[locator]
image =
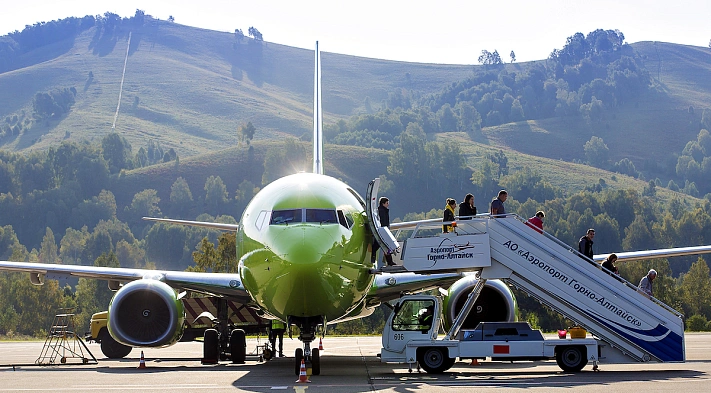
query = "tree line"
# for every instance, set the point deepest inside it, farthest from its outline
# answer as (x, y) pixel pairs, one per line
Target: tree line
(80, 222)
(589, 76)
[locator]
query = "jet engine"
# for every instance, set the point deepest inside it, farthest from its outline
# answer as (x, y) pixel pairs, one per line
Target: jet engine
(496, 303)
(146, 313)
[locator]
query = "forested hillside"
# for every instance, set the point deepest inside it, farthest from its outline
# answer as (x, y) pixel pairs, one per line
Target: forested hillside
(601, 134)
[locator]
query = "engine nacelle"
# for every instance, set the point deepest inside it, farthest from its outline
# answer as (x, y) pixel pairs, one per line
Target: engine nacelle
(146, 313)
(496, 303)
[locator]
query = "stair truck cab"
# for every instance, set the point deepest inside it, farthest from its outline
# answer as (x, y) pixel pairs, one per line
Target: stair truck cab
(411, 336)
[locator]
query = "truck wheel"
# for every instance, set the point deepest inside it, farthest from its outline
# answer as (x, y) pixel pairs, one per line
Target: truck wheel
(111, 348)
(238, 346)
(433, 360)
(449, 362)
(571, 358)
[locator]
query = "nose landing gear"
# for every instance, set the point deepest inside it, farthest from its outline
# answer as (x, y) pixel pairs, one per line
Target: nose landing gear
(311, 358)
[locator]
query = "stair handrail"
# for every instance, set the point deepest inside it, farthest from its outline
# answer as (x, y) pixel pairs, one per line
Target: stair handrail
(595, 264)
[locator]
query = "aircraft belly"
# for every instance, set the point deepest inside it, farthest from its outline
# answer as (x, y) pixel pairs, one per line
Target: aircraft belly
(330, 291)
(311, 278)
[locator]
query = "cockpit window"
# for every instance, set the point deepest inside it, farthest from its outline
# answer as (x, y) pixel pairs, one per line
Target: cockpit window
(290, 216)
(323, 216)
(259, 223)
(293, 216)
(345, 219)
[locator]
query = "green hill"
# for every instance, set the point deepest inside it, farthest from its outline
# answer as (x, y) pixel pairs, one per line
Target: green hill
(354, 165)
(190, 89)
(648, 131)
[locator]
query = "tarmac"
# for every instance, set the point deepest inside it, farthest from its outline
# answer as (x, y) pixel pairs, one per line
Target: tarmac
(348, 364)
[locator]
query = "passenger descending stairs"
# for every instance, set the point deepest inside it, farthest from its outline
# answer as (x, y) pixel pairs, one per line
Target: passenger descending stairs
(635, 327)
(62, 342)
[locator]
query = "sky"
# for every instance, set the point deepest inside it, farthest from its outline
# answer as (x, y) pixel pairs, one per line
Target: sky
(442, 31)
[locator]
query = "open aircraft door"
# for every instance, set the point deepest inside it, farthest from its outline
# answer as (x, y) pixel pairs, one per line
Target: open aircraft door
(382, 235)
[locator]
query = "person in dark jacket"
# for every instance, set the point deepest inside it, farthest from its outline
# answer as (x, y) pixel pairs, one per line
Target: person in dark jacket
(449, 215)
(384, 214)
(467, 208)
(585, 245)
(609, 264)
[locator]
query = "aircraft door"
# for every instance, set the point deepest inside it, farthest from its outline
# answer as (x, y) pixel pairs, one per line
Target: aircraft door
(382, 235)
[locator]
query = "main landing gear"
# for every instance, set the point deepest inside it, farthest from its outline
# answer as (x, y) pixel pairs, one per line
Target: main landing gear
(224, 342)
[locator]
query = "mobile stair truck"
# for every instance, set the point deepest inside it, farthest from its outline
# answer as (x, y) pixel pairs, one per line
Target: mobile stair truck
(625, 325)
(411, 337)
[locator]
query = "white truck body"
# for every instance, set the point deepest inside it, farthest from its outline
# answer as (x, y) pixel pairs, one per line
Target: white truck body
(410, 338)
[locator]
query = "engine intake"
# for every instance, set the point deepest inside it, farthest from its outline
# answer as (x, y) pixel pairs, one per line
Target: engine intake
(496, 303)
(146, 313)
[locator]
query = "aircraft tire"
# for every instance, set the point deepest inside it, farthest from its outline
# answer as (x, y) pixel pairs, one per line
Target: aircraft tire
(238, 346)
(210, 347)
(571, 358)
(111, 348)
(298, 357)
(315, 362)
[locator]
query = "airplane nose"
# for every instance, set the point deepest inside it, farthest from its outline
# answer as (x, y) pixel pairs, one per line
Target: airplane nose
(303, 246)
(299, 272)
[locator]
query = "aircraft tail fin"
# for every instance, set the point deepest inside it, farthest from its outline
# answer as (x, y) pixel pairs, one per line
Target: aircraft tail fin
(318, 123)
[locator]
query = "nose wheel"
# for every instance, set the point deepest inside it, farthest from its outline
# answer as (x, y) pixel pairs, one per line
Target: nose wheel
(312, 361)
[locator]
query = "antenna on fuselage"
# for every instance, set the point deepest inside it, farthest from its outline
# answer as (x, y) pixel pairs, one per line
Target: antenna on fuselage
(318, 134)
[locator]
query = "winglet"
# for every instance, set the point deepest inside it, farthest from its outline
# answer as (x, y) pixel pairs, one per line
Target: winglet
(318, 134)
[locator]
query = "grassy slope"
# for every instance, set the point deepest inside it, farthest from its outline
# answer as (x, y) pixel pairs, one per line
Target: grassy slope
(653, 127)
(195, 89)
(354, 165)
(357, 166)
(567, 176)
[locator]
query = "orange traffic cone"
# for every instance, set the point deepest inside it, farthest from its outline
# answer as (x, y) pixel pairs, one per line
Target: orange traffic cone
(142, 362)
(320, 345)
(302, 373)
(475, 362)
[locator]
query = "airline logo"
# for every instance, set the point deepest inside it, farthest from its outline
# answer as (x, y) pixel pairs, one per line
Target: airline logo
(447, 249)
(451, 252)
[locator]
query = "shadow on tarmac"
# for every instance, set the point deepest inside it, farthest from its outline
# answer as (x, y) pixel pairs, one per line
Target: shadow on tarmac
(367, 373)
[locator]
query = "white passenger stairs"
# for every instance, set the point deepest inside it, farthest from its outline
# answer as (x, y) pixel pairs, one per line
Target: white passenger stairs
(631, 326)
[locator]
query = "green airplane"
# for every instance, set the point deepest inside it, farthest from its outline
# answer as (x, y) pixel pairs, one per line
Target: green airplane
(304, 243)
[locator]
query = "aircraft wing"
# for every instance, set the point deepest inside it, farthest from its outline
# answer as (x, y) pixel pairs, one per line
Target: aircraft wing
(204, 224)
(392, 286)
(218, 284)
(660, 253)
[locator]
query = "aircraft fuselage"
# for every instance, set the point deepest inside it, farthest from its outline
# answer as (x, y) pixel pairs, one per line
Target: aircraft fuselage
(304, 248)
